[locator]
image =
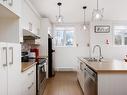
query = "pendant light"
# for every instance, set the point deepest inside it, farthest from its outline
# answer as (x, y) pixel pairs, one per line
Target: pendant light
(97, 13)
(59, 18)
(84, 24)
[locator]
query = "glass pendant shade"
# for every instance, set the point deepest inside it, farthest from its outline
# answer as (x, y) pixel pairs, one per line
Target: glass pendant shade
(97, 14)
(84, 27)
(59, 19)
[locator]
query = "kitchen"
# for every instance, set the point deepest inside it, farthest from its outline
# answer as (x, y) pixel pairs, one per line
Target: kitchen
(54, 48)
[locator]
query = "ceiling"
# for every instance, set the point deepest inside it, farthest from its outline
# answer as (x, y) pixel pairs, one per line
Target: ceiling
(73, 12)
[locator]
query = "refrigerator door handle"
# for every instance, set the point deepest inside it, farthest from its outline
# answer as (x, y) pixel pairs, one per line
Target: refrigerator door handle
(53, 50)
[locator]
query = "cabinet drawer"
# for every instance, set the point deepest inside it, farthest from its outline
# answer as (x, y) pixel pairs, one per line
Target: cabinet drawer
(29, 89)
(29, 81)
(32, 90)
(30, 75)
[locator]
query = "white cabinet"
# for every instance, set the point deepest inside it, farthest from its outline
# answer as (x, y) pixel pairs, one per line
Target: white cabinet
(30, 20)
(81, 74)
(10, 70)
(12, 5)
(29, 81)
(3, 68)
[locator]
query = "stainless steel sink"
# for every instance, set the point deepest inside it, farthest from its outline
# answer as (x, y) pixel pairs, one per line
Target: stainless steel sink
(90, 59)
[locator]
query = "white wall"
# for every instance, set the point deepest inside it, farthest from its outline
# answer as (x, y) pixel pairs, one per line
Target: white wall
(108, 51)
(66, 57)
(45, 25)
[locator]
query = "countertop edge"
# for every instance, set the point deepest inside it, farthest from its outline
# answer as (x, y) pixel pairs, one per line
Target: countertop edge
(102, 71)
(28, 66)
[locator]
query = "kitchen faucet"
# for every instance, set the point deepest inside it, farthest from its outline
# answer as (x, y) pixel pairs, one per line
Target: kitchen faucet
(100, 56)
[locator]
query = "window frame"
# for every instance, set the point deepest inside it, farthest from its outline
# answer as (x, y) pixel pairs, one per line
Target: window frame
(64, 29)
(123, 41)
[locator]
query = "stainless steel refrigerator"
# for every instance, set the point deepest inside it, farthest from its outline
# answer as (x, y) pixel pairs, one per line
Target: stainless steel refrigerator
(51, 71)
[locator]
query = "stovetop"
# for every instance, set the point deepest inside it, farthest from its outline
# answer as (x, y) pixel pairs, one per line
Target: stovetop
(41, 60)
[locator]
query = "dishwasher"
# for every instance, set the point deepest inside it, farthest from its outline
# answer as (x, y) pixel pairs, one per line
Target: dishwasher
(90, 86)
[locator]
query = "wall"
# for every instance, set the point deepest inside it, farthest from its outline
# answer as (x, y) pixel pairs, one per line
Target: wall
(108, 51)
(45, 26)
(66, 57)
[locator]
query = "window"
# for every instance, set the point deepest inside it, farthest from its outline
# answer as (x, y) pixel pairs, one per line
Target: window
(64, 36)
(120, 35)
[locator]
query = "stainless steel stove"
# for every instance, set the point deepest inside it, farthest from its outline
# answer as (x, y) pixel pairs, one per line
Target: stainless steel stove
(41, 76)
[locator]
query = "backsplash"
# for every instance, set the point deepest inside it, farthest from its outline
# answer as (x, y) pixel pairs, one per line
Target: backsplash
(28, 44)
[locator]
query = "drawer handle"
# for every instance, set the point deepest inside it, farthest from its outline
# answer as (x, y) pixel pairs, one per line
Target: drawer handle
(30, 86)
(30, 73)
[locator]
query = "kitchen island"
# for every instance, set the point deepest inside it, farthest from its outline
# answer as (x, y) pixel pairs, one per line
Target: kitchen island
(108, 77)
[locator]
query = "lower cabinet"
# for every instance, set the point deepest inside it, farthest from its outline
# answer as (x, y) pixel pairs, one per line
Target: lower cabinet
(80, 74)
(10, 69)
(29, 81)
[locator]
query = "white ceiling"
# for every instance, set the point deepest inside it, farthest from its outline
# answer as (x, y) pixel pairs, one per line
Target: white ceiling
(73, 12)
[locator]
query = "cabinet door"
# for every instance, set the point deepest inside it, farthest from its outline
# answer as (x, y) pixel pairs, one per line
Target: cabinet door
(3, 69)
(14, 6)
(33, 89)
(1, 1)
(14, 69)
(17, 7)
(33, 83)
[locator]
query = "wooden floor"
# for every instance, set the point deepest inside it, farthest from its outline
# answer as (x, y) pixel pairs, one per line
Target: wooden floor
(64, 83)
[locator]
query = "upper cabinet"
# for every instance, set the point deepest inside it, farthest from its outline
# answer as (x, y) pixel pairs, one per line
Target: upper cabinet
(13, 6)
(30, 19)
(10, 12)
(18, 17)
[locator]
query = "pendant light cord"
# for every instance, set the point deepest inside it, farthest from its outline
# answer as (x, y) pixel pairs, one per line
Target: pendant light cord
(84, 16)
(84, 8)
(59, 4)
(97, 5)
(59, 11)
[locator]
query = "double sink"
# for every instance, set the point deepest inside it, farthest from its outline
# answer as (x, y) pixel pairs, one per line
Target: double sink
(92, 59)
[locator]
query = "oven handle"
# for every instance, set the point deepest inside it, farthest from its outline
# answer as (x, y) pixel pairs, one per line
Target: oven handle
(40, 65)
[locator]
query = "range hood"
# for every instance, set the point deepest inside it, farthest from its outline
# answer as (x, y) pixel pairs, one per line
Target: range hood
(29, 35)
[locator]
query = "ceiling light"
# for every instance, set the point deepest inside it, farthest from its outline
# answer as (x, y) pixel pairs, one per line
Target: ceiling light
(59, 18)
(84, 25)
(97, 13)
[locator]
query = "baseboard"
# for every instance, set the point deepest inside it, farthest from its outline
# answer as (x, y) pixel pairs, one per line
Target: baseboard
(64, 69)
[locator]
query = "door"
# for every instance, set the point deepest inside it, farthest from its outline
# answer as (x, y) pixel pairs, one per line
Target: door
(14, 69)
(3, 69)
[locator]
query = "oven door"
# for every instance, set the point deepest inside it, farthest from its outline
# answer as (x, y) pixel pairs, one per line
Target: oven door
(41, 82)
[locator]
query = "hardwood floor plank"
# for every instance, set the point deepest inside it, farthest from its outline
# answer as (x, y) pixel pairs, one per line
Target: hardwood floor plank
(64, 83)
